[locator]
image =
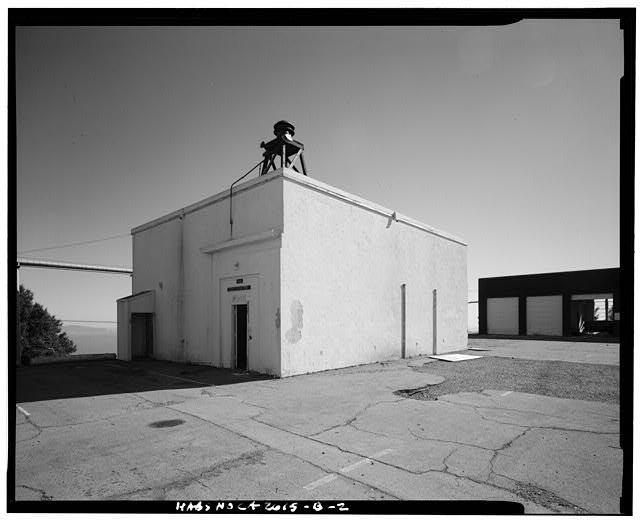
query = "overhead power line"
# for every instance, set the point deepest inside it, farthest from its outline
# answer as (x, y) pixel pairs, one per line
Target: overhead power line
(76, 243)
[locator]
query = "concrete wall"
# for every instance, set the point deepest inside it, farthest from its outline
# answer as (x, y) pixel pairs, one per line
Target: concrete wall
(169, 256)
(342, 267)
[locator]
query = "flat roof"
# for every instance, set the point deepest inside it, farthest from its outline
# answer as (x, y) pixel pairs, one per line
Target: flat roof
(553, 273)
(307, 182)
(135, 295)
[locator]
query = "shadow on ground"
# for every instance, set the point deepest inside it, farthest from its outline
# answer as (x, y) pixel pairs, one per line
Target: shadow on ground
(95, 378)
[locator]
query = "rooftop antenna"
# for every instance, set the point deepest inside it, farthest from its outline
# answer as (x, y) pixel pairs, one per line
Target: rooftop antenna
(285, 146)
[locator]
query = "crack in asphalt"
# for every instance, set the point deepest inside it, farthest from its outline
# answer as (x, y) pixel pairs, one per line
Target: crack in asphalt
(43, 495)
(444, 461)
(247, 458)
(416, 435)
(504, 447)
(476, 407)
(349, 422)
(33, 424)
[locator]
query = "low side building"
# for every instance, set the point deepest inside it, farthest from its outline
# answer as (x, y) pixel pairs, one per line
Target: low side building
(565, 304)
(307, 278)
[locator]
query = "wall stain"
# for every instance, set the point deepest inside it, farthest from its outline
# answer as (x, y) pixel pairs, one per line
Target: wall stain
(294, 334)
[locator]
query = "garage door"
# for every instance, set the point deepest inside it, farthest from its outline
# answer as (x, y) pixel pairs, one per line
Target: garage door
(502, 316)
(544, 315)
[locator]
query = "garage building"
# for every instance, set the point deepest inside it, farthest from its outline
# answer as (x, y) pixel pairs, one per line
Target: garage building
(571, 303)
(303, 277)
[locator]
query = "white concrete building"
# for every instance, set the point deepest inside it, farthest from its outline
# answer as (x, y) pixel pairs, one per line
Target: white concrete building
(313, 278)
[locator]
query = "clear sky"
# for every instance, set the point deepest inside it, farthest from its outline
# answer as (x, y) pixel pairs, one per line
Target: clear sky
(507, 137)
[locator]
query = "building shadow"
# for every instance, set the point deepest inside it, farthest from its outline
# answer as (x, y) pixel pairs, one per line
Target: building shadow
(77, 379)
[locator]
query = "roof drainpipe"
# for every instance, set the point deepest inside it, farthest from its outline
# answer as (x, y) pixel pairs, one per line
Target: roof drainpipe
(231, 198)
(403, 290)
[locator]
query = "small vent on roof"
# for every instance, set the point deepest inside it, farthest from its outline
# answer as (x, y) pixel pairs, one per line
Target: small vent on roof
(284, 146)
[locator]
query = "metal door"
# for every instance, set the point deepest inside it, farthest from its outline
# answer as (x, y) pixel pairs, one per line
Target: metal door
(241, 321)
(502, 316)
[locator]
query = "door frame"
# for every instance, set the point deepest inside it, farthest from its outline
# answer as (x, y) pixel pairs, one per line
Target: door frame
(227, 317)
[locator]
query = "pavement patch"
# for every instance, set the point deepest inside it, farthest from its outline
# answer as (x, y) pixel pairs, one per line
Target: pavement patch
(578, 381)
(422, 391)
(546, 498)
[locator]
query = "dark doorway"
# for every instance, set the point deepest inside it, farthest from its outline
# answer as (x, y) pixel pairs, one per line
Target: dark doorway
(141, 335)
(241, 312)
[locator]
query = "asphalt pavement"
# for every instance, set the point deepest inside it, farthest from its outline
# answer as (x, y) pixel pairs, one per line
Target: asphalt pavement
(173, 431)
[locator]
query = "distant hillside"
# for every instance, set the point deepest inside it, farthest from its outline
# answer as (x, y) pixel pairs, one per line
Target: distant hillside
(92, 340)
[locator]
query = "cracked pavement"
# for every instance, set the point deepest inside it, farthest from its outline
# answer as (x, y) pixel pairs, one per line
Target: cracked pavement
(340, 434)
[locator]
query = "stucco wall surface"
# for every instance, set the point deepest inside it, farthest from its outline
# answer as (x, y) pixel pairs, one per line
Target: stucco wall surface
(168, 257)
(342, 268)
(156, 266)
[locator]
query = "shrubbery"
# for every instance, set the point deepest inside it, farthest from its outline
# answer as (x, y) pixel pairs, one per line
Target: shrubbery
(40, 332)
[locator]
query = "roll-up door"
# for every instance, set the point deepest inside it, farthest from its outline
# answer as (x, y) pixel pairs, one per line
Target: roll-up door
(544, 315)
(502, 316)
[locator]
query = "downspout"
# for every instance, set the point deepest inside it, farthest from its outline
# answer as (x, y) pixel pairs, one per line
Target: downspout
(181, 288)
(435, 321)
(18, 328)
(403, 320)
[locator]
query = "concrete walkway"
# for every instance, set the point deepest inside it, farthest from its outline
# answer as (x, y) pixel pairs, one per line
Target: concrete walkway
(335, 435)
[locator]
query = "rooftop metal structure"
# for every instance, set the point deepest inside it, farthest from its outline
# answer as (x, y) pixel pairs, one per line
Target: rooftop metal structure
(285, 146)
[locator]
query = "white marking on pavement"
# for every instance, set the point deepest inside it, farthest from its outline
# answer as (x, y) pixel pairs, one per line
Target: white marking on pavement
(355, 465)
(505, 394)
(329, 478)
(321, 481)
(27, 414)
(382, 453)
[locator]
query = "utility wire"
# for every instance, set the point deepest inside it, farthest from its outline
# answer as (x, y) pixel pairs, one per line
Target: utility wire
(76, 243)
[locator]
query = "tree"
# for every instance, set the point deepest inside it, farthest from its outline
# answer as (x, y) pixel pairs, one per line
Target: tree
(40, 332)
